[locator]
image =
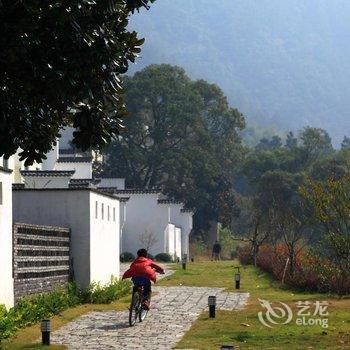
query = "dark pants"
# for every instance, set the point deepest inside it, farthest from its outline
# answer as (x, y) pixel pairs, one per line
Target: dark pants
(146, 283)
(216, 256)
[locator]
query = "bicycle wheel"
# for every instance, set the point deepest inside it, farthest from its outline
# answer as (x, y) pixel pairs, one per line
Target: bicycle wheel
(142, 314)
(135, 308)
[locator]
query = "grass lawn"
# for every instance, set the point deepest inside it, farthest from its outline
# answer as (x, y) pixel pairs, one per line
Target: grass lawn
(243, 329)
(27, 338)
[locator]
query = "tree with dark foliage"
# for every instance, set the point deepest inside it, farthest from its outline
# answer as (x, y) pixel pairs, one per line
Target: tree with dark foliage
(61, 63)
(182, 136)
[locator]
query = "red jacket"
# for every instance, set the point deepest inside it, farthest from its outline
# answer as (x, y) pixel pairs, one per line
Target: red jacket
(143, 267)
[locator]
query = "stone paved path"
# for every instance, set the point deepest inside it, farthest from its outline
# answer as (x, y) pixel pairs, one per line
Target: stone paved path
(173, 311)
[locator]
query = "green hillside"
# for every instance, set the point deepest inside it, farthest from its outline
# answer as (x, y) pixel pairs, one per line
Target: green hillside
(281, 62)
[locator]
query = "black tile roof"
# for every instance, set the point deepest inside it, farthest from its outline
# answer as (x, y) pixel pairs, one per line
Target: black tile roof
(137, 191)
(81, 181)
(20, 188)
(168, 201)
(74, 160)
(66, 151)
(67, 173)
(17, 186)
(186, 210)
(5, 170)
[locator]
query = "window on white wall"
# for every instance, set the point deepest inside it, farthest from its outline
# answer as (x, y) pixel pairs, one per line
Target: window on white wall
(96, 210)
(0, 193)
(108, 213)
(6, 163)
(113, 214)
(102, 211)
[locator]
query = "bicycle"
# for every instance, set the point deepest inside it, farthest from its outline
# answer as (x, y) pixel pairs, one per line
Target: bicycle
(136, 310)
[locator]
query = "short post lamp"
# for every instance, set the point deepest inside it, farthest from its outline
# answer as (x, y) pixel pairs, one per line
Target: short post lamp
(45, 331)
(227, 347)
(212, 305)
(192, 259)
(238, 278)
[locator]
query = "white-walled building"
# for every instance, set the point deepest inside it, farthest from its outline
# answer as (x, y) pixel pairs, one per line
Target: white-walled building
(163, 223)
(47, 178)
(6, 248)
(81, 165)
(93, 218)
(182, 218)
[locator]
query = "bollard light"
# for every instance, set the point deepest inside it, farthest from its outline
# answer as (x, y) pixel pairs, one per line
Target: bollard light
(184, 265)
(45, 331)
(192, 259)
(227, 347)
(212, 305)
(238, 278)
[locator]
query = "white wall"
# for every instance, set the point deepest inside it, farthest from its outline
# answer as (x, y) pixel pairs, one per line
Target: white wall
(50, 161)
(184, 220)
(104, 237)
(82, 170)
(66, 137)
(62, 208)
(144, 215)
(122, 221)
(6, 280)
(46, 181)
(16, 165)
(178, 242)
(94, 242)
(170, 240)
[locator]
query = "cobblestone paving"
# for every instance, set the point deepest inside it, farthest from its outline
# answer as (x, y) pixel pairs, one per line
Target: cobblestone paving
(173, 311)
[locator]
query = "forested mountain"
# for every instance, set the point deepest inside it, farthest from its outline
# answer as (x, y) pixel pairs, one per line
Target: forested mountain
(281, 62)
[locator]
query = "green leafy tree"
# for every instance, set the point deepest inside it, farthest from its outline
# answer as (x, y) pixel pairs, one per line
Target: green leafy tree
(346, 143)
(182, 136)
(273, 143)
(315, 143)
(61, 63)
(333, 166)
(291, 140)
(330, 202)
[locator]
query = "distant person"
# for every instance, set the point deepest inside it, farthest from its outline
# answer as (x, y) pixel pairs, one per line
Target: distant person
(142, 271)
(216, 251)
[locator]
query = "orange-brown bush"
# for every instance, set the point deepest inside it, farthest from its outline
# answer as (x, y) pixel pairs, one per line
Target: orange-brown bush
(308, 273)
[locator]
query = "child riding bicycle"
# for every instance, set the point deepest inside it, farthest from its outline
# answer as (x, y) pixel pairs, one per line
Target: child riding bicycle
(142, 271)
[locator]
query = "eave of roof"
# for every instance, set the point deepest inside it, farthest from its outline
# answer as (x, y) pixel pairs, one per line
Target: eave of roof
(169, 201)
(74, 160)
(19, 189)
(5, 170)
(136, 191)
(186, 210)
(51, 173)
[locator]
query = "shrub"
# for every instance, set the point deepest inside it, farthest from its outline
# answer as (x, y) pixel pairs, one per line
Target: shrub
(150, 256)
(106, 294)
(164, 257)
(7, 323)
(31, 310)
(309, 272)
(244, 254)
(127, 257)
